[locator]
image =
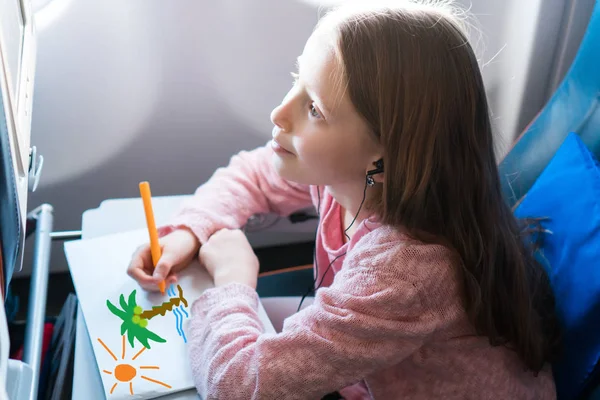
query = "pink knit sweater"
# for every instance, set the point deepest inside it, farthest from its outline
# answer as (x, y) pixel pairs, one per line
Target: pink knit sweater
(387, 323)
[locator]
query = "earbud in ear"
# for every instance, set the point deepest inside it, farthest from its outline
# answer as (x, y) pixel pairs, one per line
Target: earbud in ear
(378, 170)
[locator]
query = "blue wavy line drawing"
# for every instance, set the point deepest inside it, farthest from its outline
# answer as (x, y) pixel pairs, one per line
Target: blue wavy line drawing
(177, 319)
(180, 310)
(179, 313)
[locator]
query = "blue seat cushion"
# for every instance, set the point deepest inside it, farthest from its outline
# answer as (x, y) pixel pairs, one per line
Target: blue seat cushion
(286, 283)
(568, 194)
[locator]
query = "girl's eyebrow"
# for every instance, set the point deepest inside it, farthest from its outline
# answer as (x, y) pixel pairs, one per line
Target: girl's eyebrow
(311, 92)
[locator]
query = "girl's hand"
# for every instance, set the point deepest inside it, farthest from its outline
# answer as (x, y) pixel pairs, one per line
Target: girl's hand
(228, 257)
(178, 249)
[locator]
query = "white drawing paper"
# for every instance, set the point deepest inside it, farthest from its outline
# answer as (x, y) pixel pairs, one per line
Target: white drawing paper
(119, 313)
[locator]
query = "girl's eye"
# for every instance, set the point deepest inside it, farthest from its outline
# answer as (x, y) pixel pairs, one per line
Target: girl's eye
(313, 111)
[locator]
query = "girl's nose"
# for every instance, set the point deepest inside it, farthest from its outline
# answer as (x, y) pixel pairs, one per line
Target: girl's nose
(281, 116)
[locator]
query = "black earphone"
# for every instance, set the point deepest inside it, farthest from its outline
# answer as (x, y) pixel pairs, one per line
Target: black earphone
(378, 169)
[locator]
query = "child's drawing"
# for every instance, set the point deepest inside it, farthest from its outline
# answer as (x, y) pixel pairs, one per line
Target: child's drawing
(124, 373)
(135, 319)
(180, 313)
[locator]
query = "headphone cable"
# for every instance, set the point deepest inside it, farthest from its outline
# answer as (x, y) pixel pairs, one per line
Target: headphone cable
(315, 249)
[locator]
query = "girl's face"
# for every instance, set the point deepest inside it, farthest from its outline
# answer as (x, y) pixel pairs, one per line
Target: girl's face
(319, 138)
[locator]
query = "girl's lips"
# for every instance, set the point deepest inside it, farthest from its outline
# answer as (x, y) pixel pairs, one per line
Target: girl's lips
(277, 148)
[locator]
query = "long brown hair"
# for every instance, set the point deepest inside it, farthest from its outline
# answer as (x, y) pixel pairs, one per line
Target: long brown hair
(413, 76)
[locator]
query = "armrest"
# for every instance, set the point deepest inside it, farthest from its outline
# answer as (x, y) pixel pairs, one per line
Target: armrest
(36, 314)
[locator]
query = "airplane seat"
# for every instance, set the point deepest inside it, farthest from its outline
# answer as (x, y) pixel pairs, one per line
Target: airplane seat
(573, 108)
(572, 115)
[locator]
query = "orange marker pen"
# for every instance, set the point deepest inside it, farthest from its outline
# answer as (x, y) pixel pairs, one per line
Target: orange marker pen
(154, 245)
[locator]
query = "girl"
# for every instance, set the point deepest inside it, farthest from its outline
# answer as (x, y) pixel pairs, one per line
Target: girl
(427, 289)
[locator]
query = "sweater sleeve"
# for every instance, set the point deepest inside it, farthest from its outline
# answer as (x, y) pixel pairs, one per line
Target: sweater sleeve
(247, 186)
(372, 316)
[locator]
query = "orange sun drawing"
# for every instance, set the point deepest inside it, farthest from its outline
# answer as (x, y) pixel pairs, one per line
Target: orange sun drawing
(125, 372)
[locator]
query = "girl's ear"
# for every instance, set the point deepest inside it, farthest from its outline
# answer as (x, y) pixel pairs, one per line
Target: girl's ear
(378, 178)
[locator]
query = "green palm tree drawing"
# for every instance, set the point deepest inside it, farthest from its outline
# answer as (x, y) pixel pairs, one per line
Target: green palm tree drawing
(135, 319)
